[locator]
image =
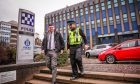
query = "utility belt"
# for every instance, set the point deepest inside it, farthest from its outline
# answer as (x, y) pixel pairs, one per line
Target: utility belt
(76, 46)
(51, 49)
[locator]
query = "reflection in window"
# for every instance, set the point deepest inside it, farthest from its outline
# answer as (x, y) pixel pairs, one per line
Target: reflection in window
(139, 42)
(128, 44)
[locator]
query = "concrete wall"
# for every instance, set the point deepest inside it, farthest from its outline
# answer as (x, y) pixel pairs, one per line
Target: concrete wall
(24, 72)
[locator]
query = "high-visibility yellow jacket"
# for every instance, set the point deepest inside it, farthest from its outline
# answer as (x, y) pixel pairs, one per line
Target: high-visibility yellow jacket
(75, 37)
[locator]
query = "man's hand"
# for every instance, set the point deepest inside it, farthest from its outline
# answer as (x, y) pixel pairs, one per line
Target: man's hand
(61, 52)
(42, 51)
(86, 47)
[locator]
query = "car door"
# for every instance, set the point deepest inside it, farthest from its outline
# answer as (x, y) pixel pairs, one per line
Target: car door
(126, 50)
(93, 50)
(100, 48)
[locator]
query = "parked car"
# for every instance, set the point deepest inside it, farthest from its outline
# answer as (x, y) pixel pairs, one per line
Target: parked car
(97, 49)
(128, 50)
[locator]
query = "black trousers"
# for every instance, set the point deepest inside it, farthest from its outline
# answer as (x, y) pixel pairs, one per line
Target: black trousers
(76, 60)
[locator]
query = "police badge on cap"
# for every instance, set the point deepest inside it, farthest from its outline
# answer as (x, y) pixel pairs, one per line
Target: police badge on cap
(70, 21)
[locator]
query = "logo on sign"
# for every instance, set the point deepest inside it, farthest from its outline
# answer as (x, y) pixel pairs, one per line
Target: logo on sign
(27, 44)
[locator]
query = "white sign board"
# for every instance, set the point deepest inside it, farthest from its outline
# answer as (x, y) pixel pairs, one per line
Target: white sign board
(7, 76)
(25, 41)
(25, 47)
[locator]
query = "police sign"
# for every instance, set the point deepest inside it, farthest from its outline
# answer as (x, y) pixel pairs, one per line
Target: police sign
(25, 42)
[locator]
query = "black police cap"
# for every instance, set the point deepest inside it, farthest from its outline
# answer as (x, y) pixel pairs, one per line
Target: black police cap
(70, 21)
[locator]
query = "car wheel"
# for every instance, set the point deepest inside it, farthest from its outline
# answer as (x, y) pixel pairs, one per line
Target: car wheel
(110, 59)
(87, 54)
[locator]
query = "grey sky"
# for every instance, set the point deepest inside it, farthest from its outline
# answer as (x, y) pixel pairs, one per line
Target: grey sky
(9, 10)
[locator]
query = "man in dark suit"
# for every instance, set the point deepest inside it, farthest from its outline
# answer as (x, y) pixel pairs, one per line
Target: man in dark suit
(52, 44)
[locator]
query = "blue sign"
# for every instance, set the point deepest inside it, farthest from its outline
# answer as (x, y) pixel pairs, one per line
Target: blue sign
(27, 44)
(27, 19)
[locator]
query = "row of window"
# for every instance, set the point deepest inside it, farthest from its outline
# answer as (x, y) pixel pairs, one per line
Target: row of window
(123, 3)
(4, 28)
(5, 33)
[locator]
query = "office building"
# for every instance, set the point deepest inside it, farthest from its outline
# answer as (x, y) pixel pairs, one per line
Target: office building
(5, 33)
(14, 29)
(102, 21)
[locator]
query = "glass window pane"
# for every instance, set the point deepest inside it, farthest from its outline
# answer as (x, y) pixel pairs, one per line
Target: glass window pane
(118, 17)
(109, 2)
(102, 4)
(116, 5)
(133, 14)
(115, 1)
(139, 42)
(123, 3)
(130, 1)
(125, 15)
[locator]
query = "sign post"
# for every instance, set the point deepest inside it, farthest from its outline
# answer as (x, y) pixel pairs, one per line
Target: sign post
(25, 40)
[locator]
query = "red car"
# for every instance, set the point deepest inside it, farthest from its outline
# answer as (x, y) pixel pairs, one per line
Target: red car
(128, 50)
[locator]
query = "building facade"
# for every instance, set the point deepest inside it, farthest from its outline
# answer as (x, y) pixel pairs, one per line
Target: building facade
(14, 29)
(38, 41)
(5, 33)
(102, 21)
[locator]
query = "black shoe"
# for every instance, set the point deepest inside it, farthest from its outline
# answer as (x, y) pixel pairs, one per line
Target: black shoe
(82, 73)
(74, 77)
(54, 83)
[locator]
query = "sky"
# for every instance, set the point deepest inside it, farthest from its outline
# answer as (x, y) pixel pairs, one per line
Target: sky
(9, 10)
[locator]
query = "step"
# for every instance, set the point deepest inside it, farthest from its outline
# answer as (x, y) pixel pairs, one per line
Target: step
(35, 81)
(66, 80)
(100, 75)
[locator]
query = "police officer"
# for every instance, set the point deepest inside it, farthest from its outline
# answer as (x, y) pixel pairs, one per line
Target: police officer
(74, 43)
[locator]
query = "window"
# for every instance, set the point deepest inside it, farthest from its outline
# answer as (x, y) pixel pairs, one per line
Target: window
(64, 16)
(128, 44)
(92, 24)
(91, 9)
(123, 3)
(81, 12)
(60, 17)
(130, 1)
(133, 16)
(139, 42)
(86, 10)
(103, 6)
(116, 5)
(97, 7)
(115, 1)
(68, 15)
(76, 13)
(72, 14)
(100, 46)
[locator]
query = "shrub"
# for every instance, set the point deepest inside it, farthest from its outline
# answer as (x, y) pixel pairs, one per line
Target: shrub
(7, 54)
(39, 57)
(3, 55)
(11, 54)
(63, 58)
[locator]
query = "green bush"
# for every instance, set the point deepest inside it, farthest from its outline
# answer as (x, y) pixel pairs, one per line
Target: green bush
(63, 58)
(11, 54)
(7, 55)
(3, 55)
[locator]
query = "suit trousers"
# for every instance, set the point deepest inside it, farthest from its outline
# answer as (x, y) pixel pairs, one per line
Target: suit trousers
(76, 60)
(51, 62)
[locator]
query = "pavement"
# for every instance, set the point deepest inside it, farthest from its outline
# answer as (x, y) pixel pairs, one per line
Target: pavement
(93, 64)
